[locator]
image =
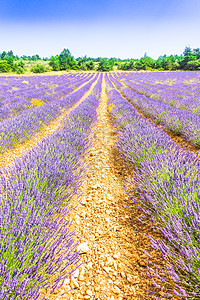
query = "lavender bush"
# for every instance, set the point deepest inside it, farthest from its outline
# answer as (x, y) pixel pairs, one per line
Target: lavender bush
(36, 242)
(179, 89)
(167, 180)
(22, 127)
(17, 94)
(174, 119)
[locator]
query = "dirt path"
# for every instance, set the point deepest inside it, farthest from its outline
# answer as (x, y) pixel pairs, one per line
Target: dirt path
(113, 262)
(7, 158)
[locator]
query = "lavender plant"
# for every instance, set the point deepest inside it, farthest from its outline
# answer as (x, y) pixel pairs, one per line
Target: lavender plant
(167, 179)
(18, 95)
(22, 127)
(174, 119)
(36, 242)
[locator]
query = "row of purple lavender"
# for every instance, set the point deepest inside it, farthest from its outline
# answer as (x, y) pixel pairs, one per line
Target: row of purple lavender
(36, 241)
(181, 122)
(21, 127)
(167, 180)
(17, 94)
(179, 89)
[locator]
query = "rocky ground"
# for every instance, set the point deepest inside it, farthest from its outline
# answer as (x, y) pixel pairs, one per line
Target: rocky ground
(113, 261)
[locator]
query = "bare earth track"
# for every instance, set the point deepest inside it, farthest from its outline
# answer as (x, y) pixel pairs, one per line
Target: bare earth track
(112, 257)
(113, 261)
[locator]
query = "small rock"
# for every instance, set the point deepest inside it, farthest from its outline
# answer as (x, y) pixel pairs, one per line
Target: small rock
(107, 220)
(123, 274)
(102, 264)
(66, 281)
(89, 265)
(112, 298)
(115, 265)
(109, 260)
(109, 197)
(129, 277)
(106, 269)
(116, 290)
(77, 219)
(75, 273)
(116, 255)
(83, 248)
(83, 202)
(95, 186)
(73, 283)
(89, 293)
(142, 263)
(81, 274)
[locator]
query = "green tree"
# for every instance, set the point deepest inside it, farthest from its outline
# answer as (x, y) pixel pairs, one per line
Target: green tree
(3, 55)
(196, 52)
(105, 65)
(10, 53)
(54, 63)
(66, 60)
(188, 55)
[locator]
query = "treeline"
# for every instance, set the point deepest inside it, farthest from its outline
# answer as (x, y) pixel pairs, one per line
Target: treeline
(189, 60)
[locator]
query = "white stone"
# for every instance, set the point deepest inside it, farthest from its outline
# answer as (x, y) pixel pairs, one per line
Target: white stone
(116, 290)
(66, 281)
(116, 255)
(89, 292)
(83, 248)
(75, 273)
(73, 283)
(89, 265)
(77, 219)
(81, 275)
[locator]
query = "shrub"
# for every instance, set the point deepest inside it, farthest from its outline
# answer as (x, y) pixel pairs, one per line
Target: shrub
(20, 70)
(193, 65)
(38, 68)
(4, 66)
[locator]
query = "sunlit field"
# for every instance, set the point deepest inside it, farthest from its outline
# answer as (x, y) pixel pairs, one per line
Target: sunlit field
(94, 166)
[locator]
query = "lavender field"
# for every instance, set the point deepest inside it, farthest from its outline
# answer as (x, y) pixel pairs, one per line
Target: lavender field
(38, 248)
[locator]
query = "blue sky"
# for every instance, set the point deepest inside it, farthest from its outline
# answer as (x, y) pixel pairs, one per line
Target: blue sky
(125, 29)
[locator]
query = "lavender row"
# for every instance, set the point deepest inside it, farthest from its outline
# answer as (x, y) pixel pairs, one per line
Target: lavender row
(174, 119)
(177, 94)
(22, 127)
(36, 242)
(29, 94)
(168, 181)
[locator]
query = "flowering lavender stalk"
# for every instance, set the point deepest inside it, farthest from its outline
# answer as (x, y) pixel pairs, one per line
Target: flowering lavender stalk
(167, 179)
(36, 242)
(179, 89)
(174, 119)
(22, 127)
(18, 94)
